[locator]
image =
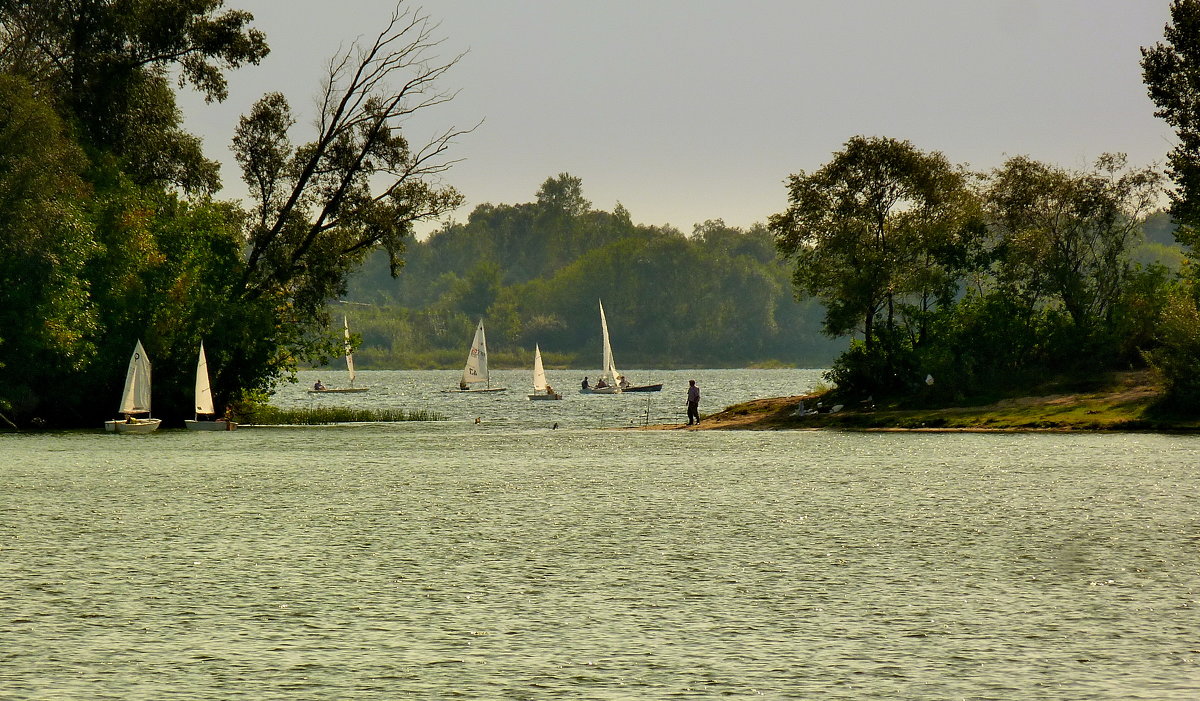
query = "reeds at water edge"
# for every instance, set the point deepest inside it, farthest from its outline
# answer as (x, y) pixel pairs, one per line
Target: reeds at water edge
(271, 415)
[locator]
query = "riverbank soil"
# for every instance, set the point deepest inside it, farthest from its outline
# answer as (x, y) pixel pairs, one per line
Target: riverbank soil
(1128, 401)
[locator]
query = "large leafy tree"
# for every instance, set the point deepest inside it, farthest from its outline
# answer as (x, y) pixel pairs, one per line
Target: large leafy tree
(878, 233)
(1171, 71)
(1064, 237)
(47, 316)
(170, 266)
(134, 260)
(109, 65)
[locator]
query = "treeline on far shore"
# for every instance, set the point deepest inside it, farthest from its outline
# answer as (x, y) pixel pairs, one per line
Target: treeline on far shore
(536, 272)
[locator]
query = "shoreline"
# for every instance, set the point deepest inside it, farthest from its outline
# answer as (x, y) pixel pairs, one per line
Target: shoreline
(1129, 403)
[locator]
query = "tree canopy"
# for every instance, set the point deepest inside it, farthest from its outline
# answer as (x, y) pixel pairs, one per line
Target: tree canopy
(880, 223)
(106, 210)
(109, 63)
(979, 280)
(1171, 71)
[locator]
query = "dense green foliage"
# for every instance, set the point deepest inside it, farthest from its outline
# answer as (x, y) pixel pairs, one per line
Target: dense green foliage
(108, 232)
(109, 65)
(962, 285)
(535, 271)
(1171, 71)
(881, 229)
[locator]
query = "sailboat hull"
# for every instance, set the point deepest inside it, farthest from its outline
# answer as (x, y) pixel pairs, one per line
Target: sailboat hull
(644, 388)
(137, 426)
(543, 396)
(338, 390)
(481, 389)
(601, 390)
(218, 425)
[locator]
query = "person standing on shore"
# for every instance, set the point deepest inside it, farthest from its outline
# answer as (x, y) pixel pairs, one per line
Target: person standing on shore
(693, 403)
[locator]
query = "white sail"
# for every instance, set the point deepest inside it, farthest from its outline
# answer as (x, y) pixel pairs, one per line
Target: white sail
(136, 397)
(349, 357)
(476, 370)
(609, 367)
(204, 401)
(539, 373)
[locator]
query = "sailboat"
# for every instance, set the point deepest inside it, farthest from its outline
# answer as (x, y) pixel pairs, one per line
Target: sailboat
(611, 381)
(204, 401)
(475, 377)
(322, 389)
(136, 397)
(541, 390)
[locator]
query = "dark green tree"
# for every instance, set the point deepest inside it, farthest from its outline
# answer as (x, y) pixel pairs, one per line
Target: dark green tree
(562, 195)
(49, 321)
(1171, 71)
(1065, 237)
(881, 227)
(1177, 356)
(109, 65)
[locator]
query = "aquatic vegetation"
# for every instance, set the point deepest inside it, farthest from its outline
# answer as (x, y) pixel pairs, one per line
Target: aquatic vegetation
(272, 415)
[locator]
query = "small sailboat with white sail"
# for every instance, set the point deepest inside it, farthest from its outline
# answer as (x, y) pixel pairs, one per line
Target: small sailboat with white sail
(135, 399)
(541, 389)
(475, 377)
(320, 388)
(612, 381)
(204, 401)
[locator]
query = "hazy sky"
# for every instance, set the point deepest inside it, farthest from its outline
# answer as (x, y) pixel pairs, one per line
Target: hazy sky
(689, 110)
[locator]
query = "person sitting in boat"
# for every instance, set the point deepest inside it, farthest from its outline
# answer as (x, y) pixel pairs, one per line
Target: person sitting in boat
(601, 384)
(319, 386)
(622, 382)
(549, 390)
(584, 384)
(462, 384)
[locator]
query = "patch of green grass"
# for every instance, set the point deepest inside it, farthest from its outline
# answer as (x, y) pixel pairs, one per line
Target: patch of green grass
(271, 415)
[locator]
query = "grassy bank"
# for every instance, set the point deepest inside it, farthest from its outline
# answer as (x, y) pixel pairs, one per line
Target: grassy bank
(1121, 402)
(274, 416)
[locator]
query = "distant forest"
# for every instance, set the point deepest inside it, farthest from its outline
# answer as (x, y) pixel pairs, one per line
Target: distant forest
(534, 272)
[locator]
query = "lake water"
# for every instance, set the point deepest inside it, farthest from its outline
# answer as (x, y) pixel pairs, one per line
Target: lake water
(510, 410)
(511, 560)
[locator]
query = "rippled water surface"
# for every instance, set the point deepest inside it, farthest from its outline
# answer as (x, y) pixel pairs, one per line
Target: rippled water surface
(510, 560)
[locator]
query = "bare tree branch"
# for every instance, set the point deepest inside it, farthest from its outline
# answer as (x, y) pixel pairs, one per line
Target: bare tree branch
(335, 203)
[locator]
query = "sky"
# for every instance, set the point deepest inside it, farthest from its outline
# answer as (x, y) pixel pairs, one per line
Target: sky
(686, 111)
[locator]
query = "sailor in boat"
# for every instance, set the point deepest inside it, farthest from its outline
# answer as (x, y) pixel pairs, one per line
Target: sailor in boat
(601, 384)
(584, 384)
(622, 382)
(549, 390)
(462, 384)
(319, 386)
